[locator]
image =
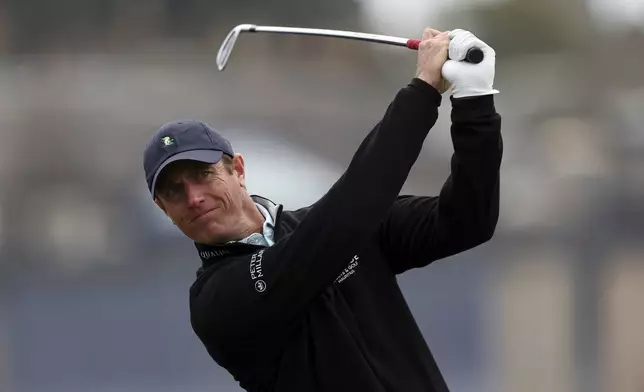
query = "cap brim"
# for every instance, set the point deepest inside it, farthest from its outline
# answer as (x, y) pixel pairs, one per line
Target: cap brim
(205, 156)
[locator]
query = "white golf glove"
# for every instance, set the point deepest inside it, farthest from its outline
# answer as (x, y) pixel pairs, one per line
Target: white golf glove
(467, 79)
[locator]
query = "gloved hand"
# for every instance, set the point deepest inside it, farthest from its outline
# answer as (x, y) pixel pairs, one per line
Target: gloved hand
(467, 79)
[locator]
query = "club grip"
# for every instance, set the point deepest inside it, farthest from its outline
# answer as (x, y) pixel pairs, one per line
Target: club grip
(473, 55)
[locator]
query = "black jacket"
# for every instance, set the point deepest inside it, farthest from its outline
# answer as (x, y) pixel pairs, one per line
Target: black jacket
(321, 310)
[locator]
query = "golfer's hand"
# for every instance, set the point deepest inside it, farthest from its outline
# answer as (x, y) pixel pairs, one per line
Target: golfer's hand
(469, 80)
(432, 54)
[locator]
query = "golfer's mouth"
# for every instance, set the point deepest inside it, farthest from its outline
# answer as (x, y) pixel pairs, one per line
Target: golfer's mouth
(202, 215)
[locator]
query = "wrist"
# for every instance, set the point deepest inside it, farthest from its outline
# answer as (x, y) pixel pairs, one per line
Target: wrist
(471, 93)
(473, 105)
(435, 82)
(434, 96)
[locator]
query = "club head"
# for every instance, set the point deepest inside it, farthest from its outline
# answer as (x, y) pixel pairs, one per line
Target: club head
(229, 43)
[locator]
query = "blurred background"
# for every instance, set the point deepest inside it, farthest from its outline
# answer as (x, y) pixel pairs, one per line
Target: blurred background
(94, 279)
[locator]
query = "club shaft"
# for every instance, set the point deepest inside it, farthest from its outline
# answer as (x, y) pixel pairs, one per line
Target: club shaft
(385, 39)
(474, 55)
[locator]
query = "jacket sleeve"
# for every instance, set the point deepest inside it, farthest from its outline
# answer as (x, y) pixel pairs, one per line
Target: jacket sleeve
(422, 229)
(231, 303)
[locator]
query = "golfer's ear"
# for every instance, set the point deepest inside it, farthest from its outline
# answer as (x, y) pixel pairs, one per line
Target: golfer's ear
(240, 170)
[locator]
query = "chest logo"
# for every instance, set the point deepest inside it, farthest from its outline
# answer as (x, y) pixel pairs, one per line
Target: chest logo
(256, 271)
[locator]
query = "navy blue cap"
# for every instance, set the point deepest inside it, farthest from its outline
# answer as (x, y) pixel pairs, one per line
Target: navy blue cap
(180, 140)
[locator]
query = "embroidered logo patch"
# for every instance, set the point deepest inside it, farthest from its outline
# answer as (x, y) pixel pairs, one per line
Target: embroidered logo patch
(350, 270)
(256, 271)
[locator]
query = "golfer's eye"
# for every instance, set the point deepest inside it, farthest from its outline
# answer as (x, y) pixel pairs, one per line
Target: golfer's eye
(204, 174)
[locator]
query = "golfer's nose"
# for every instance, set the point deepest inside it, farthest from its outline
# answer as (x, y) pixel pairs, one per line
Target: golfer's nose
(194, 194)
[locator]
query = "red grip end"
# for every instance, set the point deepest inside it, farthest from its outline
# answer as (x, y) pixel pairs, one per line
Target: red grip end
(413, 44)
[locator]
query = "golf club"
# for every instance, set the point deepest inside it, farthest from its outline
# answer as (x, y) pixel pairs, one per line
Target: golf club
(474, 55)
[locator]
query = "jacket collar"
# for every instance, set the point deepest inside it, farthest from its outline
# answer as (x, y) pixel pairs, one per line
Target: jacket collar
(210, 254)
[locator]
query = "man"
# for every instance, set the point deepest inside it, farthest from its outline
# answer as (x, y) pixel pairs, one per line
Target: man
(307, 300)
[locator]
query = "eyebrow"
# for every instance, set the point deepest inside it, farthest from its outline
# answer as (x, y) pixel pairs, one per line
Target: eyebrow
(167, 177)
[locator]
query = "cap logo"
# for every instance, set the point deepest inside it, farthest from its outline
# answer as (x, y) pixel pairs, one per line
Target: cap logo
(167, 141)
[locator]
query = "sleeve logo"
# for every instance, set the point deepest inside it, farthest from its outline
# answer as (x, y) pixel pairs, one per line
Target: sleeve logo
(350, 270)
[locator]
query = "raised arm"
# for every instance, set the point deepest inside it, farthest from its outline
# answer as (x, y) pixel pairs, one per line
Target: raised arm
(419, 230)
(300, 266)
(422, 229)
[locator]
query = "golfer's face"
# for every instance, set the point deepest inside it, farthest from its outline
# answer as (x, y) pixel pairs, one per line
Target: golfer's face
(203, 200)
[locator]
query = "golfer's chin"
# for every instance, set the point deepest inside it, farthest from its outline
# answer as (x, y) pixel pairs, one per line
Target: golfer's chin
(208, 232)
